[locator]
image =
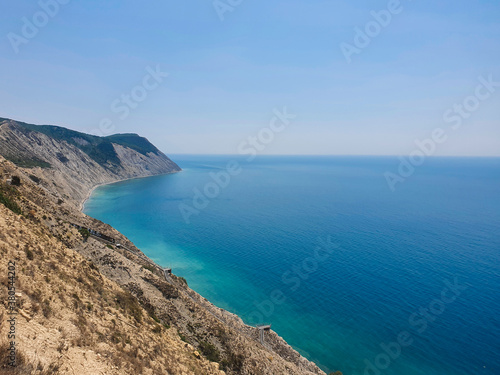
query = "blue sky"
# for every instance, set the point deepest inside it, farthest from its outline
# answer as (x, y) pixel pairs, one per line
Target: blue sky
(227, 77)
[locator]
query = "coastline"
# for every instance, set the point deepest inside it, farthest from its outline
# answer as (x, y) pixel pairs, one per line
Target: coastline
(146, 295)
(81, 205)
(225, 317)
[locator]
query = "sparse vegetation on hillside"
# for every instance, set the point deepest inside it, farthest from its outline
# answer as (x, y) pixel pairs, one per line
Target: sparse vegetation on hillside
(24, 366)
(7, 194)
(133, 141)
(28, 162)
(97, 148)
(74, 321)
(16, 181)
(210, 351)
(35, 179)
(84, 232)
(100, 149)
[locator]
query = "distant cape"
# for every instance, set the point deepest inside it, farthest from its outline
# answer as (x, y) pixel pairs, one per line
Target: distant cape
(73, 163)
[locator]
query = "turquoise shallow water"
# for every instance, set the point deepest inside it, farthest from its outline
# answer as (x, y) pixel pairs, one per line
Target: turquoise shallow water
(385, 279)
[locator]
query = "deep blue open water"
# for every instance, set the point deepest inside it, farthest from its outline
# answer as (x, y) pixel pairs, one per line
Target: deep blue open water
(341, 266)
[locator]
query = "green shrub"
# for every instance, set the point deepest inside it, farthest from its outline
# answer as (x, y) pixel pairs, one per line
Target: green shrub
(149, 268)
(210, 351)
(129, 303)
(29, 254)
(84, 232)
(46, 309)
(10, 204)
(233, 362)
(16, 181)
(116, 337)
(34, 178)
(28, 162)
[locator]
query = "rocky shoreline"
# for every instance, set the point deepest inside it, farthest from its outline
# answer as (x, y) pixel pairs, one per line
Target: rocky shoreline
(209, 340)
(274, 343)
(81, 205)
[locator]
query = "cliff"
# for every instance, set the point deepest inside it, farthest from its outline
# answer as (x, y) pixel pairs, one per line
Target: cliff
(89, 306)
(71, 163)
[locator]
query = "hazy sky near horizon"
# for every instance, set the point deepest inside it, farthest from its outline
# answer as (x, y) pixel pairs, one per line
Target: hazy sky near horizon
(227, 77)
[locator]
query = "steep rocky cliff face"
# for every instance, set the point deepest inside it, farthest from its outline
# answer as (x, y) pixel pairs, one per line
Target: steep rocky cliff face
(73, 163)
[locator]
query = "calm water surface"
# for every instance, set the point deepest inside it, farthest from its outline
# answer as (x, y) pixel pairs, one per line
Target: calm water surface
(395, 254)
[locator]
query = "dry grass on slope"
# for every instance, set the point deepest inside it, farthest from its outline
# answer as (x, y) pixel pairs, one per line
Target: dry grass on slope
(75, 321)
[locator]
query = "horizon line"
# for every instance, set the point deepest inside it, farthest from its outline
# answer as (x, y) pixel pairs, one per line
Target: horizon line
(329, 155)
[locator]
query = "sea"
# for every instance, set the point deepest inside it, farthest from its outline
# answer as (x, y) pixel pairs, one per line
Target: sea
(367, 265)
